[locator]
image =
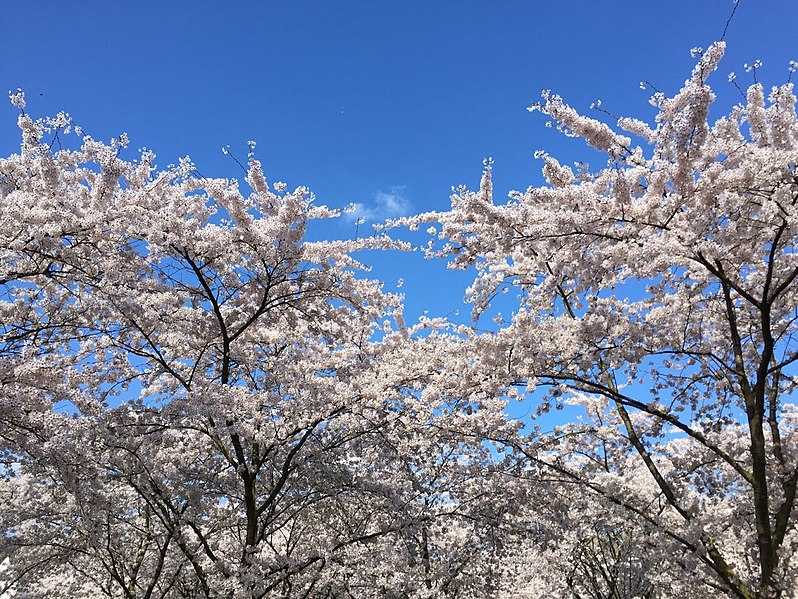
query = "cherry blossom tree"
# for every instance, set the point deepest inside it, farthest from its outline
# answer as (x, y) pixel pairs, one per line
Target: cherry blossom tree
(198, 402)
(658, 310)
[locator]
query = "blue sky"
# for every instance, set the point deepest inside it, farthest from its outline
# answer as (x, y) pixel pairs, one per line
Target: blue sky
(386, 104)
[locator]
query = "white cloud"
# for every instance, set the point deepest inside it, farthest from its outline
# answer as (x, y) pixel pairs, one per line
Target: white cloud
(384, 205)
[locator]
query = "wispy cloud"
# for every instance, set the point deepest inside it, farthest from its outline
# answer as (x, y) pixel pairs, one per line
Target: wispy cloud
(384, 205)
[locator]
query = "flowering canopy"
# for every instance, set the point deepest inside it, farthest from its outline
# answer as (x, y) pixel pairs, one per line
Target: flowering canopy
(658, 295)
(198, 402)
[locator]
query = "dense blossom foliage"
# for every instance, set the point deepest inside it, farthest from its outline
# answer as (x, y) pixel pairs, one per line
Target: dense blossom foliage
(657, 307)
(197, 401)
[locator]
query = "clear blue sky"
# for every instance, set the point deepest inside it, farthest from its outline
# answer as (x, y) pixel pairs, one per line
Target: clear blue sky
(382, 103)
